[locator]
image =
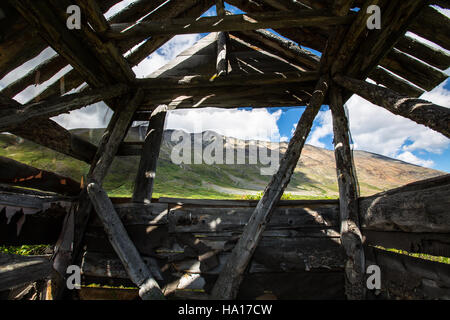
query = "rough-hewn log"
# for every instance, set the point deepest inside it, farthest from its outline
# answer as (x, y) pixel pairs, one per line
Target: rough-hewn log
(432, 25)
(227, 284)
(418, 207)
(130, 257)
(220, 8)
(351, 237)
(19, 174)
(238, 22)
(145, 178)
(421, 111)
(17, 270)
(11, 118)
(201, 81)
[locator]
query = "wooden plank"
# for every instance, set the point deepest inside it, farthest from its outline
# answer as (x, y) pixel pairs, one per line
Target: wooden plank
(421, 111)
(422, 207)
(405, 277)
(197, 219)
(222, 57)
(435, 57)
(230, 278)
(202, 81)
(279, 46)
(139, 214)
(242, 203)
(236, 22)
(17, 270)
(413, 70)
(131, 260)
(145, 177)
(436, 244)
(11, 118)
(95, 264)
(351, 237)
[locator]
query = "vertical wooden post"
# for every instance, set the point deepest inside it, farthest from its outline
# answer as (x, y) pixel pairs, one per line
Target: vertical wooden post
(145, 178)
(222, 59)
(351, 237)
(230, 278)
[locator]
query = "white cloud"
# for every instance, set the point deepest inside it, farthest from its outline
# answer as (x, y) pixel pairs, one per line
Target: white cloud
(256, 124)
(409, 157)
(375, 129)
(325, 128)
(93, 116)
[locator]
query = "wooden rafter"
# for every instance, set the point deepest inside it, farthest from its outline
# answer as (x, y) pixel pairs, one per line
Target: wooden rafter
(228, 23)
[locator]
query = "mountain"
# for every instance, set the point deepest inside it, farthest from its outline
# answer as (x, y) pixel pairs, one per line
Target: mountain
(314, 176)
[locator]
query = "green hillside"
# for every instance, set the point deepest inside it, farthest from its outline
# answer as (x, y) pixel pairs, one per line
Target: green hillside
(314, 177)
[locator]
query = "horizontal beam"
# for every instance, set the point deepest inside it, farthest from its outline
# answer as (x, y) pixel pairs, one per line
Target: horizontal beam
(418, 207)
(200, 81)
(12, 117)
(421, 111)
(19, 174)
(237, 22)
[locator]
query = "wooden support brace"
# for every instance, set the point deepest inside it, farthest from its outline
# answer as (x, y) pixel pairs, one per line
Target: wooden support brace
(421, 111)
(122, 244)
(145, 178)
(222, 57)
(351, 237)
(230, 278)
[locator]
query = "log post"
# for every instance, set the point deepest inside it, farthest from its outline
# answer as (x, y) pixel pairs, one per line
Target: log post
(227, 285)
(421, 111)
(351, 237)
(145, 178)
(222, 59)
(122, 244)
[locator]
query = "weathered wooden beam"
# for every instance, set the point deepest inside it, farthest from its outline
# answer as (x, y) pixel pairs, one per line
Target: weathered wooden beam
(279, 46)
(145, 178)
(222, 57)
(421, 111)
(229, 23)
(220, 8)
(432, 25)
(351, 237)
(17, 270)
(413, 70)
(418, 207)
(19, 174)
(227, 285)
(11, 118)
(391, 81)
(130, 257)
(201, 81)
(94, 15)
(433, 56)
(51, 135)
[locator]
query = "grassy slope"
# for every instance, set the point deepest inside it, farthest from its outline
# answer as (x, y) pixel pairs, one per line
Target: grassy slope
(315, 176)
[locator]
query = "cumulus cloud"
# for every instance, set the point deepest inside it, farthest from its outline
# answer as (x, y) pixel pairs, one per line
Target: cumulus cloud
(256, 124)
(375, 129)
